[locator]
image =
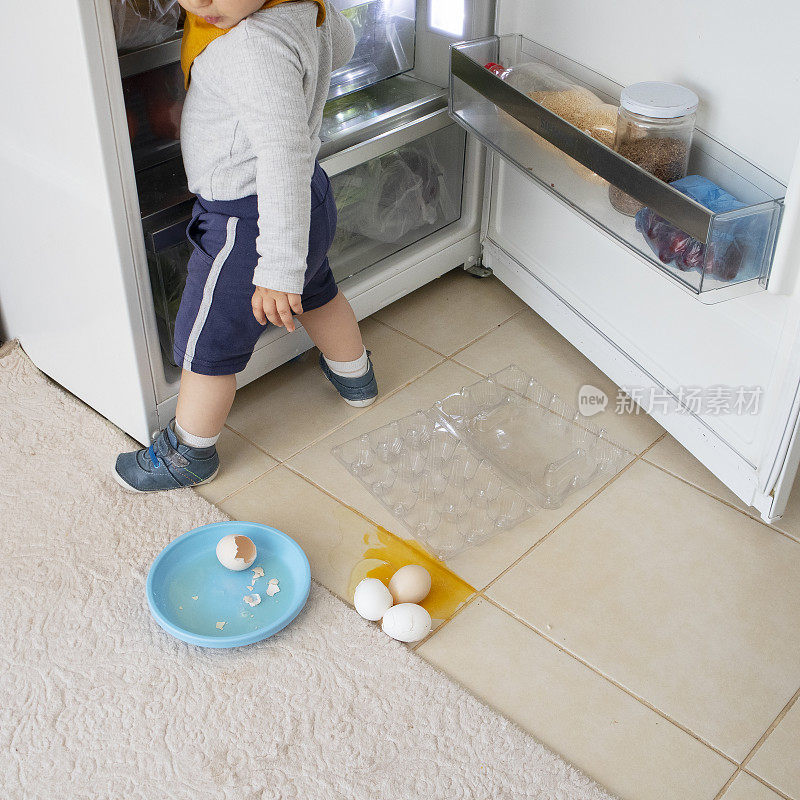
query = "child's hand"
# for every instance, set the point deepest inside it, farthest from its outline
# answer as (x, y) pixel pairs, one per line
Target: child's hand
(276, 307)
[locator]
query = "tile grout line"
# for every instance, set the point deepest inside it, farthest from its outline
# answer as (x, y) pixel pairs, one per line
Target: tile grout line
(724, 502)
(407, 335)
(479, 593)
(774, 724)
(611, 680)
(347, 421)
(332, 496)
(486, 333)
(571, 514)
(468, 602)
(245, 485)
(727, 784)
(741, 771)
(364, 410)
(249, 441)
(462, 347)
(764, 782)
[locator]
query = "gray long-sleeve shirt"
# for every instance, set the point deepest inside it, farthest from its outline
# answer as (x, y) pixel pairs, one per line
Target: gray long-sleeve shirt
(251, 125)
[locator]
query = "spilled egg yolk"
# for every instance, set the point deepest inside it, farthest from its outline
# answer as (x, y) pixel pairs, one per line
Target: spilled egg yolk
(385, 553)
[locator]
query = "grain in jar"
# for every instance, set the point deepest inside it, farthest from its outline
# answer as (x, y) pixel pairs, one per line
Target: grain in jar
(654, 129)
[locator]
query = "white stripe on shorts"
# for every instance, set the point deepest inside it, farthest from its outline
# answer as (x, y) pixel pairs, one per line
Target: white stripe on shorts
(208, 292)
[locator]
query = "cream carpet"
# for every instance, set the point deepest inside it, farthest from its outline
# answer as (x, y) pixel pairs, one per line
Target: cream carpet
(96, 701)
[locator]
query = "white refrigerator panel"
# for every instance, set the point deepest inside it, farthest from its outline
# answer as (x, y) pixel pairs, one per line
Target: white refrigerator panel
(67, 285)
(672, 336)
(740, 59)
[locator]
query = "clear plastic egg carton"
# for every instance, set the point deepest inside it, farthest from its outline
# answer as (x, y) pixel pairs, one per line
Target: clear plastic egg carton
(481, 460)
(536, 440)
(449, 498)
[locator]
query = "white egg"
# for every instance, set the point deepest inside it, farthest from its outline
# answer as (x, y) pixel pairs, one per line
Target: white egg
(372, 599)
(236, 552)
(407, 622)
(410, 584)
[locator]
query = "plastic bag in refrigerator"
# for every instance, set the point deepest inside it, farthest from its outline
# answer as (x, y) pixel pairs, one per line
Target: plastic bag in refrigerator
(142, 23)
(734, 248)
(389, 197)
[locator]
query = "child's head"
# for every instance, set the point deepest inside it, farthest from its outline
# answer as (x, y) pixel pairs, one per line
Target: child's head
(222, 13)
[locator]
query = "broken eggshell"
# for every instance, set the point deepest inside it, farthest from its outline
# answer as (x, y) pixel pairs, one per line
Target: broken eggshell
(236, 552)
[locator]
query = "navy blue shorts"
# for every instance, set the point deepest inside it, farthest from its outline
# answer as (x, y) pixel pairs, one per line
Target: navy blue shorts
(215, 330)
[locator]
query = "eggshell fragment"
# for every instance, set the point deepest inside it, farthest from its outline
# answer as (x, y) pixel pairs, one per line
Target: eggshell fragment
(372, 599)
(410, 584)
(236, 552)
(407, 622)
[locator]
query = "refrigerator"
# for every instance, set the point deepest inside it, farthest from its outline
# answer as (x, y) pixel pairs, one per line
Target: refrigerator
(436, 163)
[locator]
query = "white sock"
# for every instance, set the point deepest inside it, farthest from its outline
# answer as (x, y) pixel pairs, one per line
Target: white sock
(350, 369)
(190, 440)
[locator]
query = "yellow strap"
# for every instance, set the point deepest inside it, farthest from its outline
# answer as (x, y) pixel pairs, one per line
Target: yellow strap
(198, 34)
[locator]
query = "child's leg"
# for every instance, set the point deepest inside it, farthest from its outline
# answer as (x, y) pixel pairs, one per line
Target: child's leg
(334, 330)
(344, 360)
(203, 403)
(184, 453)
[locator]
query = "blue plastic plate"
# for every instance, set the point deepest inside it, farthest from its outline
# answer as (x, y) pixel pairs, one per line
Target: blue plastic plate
(188, 567)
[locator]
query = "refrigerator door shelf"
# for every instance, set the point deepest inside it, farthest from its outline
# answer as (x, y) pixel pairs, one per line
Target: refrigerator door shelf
(715, 256)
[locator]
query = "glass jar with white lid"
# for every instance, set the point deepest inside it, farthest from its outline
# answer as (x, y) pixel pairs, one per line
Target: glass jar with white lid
(655, 124)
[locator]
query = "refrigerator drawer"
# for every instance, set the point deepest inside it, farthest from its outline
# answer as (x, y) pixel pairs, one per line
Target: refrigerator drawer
(714, 255)
(168, 251)
(153, 104)
(396, 199)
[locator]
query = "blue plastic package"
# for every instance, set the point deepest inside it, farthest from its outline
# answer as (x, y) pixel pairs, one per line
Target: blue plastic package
(733, 249)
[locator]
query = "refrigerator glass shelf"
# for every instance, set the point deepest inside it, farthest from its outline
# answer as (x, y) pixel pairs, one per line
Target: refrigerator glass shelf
(385, 36)
(713, 255)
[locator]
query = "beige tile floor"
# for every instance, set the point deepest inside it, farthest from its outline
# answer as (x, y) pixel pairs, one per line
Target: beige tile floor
(647, 630)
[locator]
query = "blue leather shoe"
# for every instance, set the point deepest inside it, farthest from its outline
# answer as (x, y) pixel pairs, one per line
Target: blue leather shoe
(166, 464)
(357, 392)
